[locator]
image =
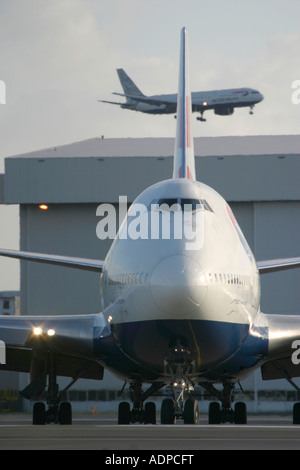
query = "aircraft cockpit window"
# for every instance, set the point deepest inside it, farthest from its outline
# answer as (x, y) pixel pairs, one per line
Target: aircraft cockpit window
(183, 204)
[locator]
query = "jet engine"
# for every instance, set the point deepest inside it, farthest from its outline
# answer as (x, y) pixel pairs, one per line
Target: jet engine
(224, 111)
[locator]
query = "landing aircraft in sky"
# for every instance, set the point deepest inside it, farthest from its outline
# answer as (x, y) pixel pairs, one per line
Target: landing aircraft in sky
(180, 309)
(222, 102)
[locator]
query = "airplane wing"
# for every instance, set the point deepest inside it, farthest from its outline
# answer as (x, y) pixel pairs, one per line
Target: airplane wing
(66, 261)
(282, 360)
(283, 331)
(30, 340)
(150, 100)
(270, 266)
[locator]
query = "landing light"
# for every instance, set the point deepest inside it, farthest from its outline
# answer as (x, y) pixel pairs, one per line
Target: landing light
(51, 332)
(37, 331)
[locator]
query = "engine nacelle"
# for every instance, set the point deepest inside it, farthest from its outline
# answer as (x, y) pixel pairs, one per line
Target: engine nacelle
(224, 111)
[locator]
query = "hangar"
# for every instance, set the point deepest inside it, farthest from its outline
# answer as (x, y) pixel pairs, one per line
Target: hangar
(258, 175)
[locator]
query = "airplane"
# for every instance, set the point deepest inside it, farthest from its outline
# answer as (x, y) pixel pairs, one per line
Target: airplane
(178, 312)
(222, 102)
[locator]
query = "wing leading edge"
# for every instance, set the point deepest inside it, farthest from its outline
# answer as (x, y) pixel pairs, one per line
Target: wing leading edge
(86, 264)
(270, 266)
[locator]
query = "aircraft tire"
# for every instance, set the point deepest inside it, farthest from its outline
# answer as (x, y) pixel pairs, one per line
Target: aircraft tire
(296, 413)
(214, 413)
(167, 412)
(39, 413)
(240, 413)
(124, 413)
(150, 413)
(65, 413)
(191, 412)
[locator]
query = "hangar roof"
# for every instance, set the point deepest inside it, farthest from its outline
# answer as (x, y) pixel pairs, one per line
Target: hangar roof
(156, 147)
(241, 168)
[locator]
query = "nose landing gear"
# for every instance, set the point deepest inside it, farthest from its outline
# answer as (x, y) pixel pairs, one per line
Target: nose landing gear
(180, 365)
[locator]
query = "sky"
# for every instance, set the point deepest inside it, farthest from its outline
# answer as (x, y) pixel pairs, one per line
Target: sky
(59, 57)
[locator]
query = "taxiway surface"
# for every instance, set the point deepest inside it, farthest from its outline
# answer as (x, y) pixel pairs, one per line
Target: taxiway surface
(92, 433)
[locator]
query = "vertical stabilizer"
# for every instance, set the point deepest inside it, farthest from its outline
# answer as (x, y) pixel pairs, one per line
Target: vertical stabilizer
(128, 85)
(184, 160)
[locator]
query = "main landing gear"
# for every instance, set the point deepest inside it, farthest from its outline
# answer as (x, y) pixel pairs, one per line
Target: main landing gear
(201, 118)
(225, 414)
(58, 412)
(139, 413)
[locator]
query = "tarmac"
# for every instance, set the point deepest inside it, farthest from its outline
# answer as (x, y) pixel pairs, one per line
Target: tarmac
(104, 434)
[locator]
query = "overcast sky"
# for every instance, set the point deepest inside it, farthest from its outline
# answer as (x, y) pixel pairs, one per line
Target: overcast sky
(58, 57)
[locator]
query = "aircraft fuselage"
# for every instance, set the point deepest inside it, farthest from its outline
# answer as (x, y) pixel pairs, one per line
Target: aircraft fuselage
(162, 292)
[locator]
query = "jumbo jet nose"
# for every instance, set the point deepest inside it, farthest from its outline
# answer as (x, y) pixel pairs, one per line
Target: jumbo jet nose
(178, 286)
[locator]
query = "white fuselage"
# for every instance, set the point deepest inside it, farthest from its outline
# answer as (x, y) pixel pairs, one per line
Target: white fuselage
(222, 101)
(202, 287)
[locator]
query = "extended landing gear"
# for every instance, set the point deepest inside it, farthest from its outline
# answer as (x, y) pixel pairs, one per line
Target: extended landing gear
(58, 412)
(171, 410)
(201, 118)
(146, 415)
(216, 415)
(139, 413)
(179, 366)
(226, 414)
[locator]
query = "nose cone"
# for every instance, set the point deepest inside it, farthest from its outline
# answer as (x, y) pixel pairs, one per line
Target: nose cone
(178, 286)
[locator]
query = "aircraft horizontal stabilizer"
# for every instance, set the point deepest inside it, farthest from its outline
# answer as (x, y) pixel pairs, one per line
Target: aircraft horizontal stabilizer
(110, 102)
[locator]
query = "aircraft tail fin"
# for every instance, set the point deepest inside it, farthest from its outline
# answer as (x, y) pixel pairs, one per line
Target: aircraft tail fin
(128, 85)
(184, 159)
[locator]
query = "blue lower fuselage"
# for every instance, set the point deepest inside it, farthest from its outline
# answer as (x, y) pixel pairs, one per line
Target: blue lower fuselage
(219, 350)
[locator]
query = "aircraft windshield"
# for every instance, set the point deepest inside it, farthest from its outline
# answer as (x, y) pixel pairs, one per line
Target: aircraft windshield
(177, 204)
(183, 204)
